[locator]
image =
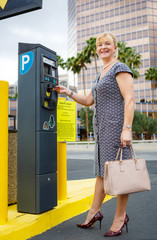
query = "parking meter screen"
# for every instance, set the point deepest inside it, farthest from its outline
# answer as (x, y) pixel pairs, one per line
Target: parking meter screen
(46, 69)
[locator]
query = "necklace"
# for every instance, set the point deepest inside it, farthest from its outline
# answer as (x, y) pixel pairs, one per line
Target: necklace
(110, 64)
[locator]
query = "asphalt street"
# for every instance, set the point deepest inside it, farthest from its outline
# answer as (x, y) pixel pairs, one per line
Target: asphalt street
(141, 209)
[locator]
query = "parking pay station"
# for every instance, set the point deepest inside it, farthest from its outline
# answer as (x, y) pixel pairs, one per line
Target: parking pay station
(37, 136)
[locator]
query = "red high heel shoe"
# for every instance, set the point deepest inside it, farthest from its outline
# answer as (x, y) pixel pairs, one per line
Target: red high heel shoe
(97, 217)
(119, 232)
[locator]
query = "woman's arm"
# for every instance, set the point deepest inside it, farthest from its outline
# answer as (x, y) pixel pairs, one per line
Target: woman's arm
(83, 100)
(125, 83)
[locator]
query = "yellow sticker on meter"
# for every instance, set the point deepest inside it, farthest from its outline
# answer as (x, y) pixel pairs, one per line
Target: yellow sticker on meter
(48, 93)
(66, 120)
(46, 103)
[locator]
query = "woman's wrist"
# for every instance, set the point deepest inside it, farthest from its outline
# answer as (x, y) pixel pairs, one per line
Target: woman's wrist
(71, 94)
(127, 127)
(68, 92)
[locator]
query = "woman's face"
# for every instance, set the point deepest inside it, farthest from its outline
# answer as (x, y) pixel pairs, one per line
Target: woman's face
(106, 48)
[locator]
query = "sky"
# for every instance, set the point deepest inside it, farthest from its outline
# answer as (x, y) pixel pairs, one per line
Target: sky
(47, 26)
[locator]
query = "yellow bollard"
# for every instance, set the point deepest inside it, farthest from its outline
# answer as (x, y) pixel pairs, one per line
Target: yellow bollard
(61, 171)
(4, 86)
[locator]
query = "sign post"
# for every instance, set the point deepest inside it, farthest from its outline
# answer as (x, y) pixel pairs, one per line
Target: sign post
(66, 132)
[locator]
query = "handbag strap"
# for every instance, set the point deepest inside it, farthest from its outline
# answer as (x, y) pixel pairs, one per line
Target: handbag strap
(120, 151)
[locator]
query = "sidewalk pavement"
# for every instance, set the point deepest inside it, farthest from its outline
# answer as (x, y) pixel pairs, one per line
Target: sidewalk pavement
(82, 147)
(142, 212)
(141, 209)
(21, 226)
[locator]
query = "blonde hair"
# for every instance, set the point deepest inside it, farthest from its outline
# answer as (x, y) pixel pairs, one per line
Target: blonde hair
(111, 37)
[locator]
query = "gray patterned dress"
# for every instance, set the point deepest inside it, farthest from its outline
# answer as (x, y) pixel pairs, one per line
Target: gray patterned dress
(108, 117)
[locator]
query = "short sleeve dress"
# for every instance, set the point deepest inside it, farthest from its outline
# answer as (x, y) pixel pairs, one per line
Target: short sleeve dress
(108, 117)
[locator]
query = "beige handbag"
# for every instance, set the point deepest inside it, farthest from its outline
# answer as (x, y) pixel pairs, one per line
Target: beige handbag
(126, 176)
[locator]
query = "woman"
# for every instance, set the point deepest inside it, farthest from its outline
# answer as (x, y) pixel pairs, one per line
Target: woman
(112, 94)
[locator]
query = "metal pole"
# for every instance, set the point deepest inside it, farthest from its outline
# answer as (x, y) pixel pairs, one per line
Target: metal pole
(61, 171)
(4, 89)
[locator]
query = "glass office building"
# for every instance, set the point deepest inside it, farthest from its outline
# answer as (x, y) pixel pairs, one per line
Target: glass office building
(131, 21)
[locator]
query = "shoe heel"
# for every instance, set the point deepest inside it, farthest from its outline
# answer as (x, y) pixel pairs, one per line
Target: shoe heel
(127, 227)
(100, 223)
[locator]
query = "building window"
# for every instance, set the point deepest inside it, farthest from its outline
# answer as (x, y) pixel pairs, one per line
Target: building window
(97, 16)
(117, 25)
(111, 13)
(127, 8)
(133, 7)
(112, 26)
(102, 28)
(102, 15)
(108, 27)
(92, 17)
(128, 22)
(123, 23)
(122, 10)
(146, 48)
(106, 14)
(139, 34)
(144, 4)
(145, 33)
(144, 19)
(128, 36)
(133, 21)
(133, 35)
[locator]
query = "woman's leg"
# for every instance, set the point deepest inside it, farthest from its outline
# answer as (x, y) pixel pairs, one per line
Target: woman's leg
(120, 212)
(99, 196)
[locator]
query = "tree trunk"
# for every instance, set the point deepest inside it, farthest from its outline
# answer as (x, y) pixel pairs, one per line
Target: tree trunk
(85, 106)
(153, 85)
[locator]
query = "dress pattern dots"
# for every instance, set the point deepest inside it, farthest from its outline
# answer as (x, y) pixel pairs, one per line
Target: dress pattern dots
(108, 117)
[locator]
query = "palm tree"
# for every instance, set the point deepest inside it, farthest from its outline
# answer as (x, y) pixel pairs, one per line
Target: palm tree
(81, 61)
(71, 65)
(82, 115)
(60, 62)
(90, 51)
(151, 75)
(129, 56)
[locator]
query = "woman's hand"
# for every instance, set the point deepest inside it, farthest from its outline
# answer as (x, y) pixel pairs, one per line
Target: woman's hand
(126, 137)
(61, 90)
(83, 100)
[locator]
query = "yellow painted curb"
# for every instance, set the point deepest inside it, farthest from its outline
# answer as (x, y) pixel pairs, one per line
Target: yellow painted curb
(22, 226)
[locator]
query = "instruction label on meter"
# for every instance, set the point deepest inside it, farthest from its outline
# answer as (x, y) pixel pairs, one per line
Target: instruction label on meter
(66, 120)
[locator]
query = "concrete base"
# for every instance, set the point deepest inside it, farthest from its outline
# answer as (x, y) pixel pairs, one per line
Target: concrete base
(12, 167)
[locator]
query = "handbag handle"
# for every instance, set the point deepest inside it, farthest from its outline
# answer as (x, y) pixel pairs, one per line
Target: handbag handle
(120, 151)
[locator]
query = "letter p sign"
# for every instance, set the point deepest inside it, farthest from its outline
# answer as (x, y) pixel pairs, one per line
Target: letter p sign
(26, 61)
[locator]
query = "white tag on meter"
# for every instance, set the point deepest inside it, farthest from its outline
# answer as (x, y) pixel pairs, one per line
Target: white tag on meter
(48, 61)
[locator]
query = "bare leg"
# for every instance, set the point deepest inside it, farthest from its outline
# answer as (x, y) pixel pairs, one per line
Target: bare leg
(99, 196)
(120, 212)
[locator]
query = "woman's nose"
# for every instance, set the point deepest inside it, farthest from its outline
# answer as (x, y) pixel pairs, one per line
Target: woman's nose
(103, 46)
